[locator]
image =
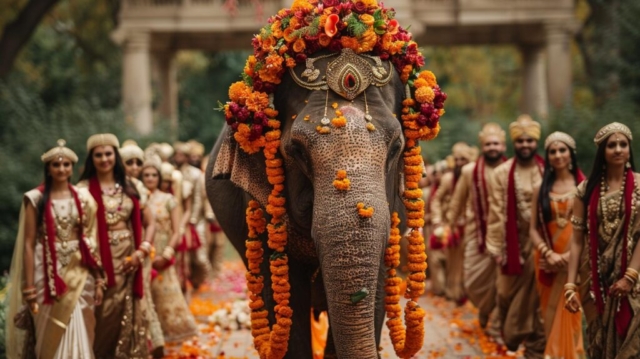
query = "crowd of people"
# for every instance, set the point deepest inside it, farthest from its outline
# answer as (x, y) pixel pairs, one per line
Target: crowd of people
(535, 245)
(102, 269)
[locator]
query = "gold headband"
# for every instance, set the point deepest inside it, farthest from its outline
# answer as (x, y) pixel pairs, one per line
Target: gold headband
(461, 149)
(153, 161)
(102, 139)
(166, 171)
(559, 137)
(59, 152)
(524, 125)
(492, 129)
(608, 130)
(130, 150)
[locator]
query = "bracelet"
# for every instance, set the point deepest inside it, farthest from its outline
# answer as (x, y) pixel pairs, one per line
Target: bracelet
(145, 247)
(573, 294)
(632, 273)
(29, 290)
(140, 255)
(631, 280)
(101, 284)
(578, 223)
(168, 253)
(569, 293)
(570, 286)
(30, 297)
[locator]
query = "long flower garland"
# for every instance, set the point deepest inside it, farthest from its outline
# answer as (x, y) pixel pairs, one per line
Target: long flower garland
(289, 38)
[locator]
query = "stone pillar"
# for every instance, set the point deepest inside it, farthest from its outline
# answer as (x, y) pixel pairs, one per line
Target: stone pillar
(558, 37)
(168, 83)
(136, 82)
(534, 89)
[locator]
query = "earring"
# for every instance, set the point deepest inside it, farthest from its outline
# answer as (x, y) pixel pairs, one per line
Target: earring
(570, 166)
(628, 165)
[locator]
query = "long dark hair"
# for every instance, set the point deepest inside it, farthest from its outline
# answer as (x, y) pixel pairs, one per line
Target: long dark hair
(48, 181)
(119, 173)
(549, 177)
(598, 168)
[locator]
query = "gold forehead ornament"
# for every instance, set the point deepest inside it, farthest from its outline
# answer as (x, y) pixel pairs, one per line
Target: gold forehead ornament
(59, 152)
(349, 75)
(560, 137)
(608, 130)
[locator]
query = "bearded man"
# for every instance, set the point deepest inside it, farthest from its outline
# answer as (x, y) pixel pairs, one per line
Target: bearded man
(508, 240)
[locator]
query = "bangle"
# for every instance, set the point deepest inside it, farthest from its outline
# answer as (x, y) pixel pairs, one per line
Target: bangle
(573, 294)
(29, 290)
(101, 284)
(168, 253)
(578, 223)
(30, 297)
(570, 286)
(632, 273)
(145, 247)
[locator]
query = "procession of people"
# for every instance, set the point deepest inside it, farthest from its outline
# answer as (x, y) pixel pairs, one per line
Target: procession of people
(102, 268)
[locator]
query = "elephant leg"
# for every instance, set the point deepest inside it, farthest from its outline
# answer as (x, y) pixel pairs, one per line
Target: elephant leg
(300, 302)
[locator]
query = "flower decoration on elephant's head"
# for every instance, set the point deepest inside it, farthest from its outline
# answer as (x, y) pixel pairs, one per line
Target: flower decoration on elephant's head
(361, 30)
(309, 26)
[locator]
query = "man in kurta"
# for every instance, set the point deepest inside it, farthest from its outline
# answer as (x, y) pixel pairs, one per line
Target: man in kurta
(201, 270)
(471, 200)
(451, 231)
(508, 240)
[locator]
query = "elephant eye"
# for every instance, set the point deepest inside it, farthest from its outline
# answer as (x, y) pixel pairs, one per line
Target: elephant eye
(394, 150)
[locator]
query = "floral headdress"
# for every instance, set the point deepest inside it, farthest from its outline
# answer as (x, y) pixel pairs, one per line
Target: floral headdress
(290, 38)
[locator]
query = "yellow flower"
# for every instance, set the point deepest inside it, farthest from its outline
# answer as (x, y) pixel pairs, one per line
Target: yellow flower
(367, 19)
(429, 77)
(239, 92)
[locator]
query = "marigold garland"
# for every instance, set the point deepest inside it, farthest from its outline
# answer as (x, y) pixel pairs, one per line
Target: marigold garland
(289, 38)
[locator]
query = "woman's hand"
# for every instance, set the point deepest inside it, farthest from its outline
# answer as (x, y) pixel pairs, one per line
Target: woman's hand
(573, 304)
(160, 263)
(98, 296)
(621, 288)
(556, 261)
(132, 263)
(33, 306)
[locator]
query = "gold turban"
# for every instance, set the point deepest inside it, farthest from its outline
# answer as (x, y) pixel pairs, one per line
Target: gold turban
(102, 139)
(183, 147)
(166, 171)
(560, 137)
(197, 148)
(461, 149)
(608, 130)
(130, 150)
(524, 125)
(165, 151)
(491, 129)
(59, 152)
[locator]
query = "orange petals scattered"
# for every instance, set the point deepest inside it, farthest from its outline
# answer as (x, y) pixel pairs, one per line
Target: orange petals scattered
(340, 121)
(364, 211)
(342, 183)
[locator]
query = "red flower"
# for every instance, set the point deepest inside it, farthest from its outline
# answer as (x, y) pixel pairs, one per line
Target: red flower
(330, 27)
(360, 7)
(392, 27)
(330, 3)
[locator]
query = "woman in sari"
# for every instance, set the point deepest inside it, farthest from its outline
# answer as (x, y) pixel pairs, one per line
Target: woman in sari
(550, 232)
(55, 268)
(121, 328)
(606, 224)
(176, 320)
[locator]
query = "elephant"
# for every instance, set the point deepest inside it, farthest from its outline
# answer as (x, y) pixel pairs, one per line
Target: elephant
(333, 253)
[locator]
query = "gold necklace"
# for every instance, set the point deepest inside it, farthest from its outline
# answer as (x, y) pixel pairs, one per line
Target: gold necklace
(562, 220)
(611, 208)
(64, 224)
(113, 206)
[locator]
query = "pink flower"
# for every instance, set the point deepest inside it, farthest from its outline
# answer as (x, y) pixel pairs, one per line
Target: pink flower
(360, 7)
(330, 3)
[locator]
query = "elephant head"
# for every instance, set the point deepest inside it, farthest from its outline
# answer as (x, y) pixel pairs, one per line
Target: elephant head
(337, 75)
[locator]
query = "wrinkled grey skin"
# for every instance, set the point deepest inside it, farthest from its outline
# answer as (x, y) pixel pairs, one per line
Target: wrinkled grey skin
(325, 231)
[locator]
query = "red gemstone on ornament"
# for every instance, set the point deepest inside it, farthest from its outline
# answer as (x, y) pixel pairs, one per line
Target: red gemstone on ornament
(349, 81)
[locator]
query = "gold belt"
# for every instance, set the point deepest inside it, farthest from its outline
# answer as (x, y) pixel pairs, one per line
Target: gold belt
(115, 237)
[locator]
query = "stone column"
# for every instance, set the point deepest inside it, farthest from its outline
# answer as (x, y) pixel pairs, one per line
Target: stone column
(168, 82)
(136, 82)
(558, 37)
(534, 89)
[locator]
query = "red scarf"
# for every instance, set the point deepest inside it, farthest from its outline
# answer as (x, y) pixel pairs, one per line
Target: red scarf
(547, 278)
(513, 265)
(103, 236)
(624, 315)
(49, 248)
(481, 201)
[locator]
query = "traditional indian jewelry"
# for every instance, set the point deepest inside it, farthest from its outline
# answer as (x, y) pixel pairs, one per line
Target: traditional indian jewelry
(145, 247)
(561, 220)
(578, 223)
(570, 286)
(559, 137)
(168, 252)
(100, 283)
(64, 224)
(610, 129)
(140, 256)
(572, 294)
(631, 275)
(29, 290)
(611, 217)
(30, 297)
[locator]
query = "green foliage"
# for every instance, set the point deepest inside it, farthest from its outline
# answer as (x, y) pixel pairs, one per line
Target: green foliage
(355, 26)
(3, 294)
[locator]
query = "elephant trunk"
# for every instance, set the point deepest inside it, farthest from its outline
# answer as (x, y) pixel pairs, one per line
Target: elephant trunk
(350, 249)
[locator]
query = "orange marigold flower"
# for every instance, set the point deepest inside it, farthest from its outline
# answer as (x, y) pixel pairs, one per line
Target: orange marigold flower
(334, 105)
(350, 43)
(342, 184)
(364, 211)
(276, 29)
(250, 65)
(324, 40)
(425, 95)
(299, 45)
(301, 5)
(339, 121)
(239, 92)
(271, 113)
(257, 101)
(323, 130)
(420, 83)
(290, 62)
(367, 19)
(429, 77)
(288, 34)
(367, 41)
(268, 43)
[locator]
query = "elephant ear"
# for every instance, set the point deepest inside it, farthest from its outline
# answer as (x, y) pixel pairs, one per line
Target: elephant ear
(245, 171)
